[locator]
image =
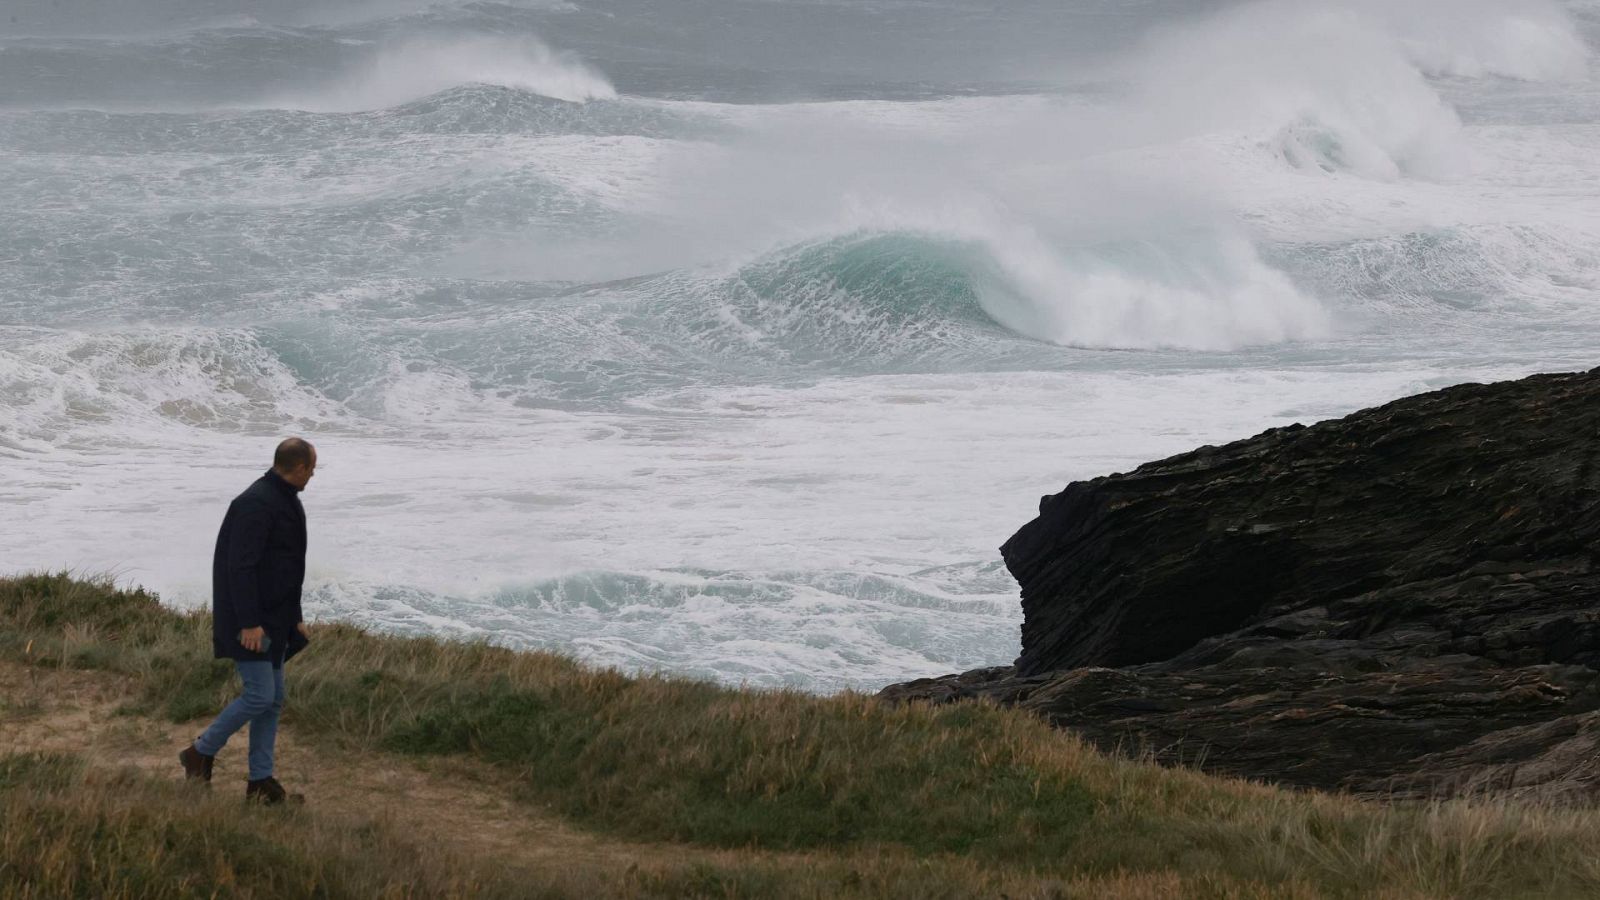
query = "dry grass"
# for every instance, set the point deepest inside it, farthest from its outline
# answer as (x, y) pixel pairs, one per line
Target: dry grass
(69, 829)
(784, 794)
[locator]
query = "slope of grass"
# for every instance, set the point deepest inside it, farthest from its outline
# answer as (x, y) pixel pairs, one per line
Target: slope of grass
(664, 759)
(68, 830)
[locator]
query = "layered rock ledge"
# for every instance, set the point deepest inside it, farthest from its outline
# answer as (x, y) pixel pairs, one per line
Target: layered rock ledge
(1403, 602)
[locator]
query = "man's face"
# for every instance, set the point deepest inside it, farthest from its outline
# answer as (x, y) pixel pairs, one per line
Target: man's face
(299, 476)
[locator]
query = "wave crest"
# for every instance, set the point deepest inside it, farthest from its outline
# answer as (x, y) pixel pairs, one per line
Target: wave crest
(1529, 40)
(1327, 88)
(912, 295)
(63, 382)
(1197, 291)
(418, 68)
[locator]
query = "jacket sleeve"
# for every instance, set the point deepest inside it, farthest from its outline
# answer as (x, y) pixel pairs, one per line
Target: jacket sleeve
(297, 642)
(247, 545)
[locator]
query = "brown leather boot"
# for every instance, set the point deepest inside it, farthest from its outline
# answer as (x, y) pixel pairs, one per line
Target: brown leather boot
(196, 764)
(268, 792)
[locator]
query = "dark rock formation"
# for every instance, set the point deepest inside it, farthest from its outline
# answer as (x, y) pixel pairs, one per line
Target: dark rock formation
(1405, 601)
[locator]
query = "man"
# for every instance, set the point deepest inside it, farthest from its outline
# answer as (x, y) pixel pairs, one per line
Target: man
(256, 576)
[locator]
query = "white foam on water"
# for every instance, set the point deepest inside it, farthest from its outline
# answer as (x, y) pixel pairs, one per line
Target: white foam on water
(1204, 291)
(489, 527)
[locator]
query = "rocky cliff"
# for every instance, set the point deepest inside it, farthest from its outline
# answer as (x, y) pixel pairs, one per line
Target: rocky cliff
(1405, 601)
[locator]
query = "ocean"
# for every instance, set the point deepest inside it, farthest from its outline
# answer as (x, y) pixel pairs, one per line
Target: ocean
(730, 338)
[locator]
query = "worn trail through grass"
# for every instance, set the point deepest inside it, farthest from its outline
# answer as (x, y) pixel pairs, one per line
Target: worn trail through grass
(83, 714)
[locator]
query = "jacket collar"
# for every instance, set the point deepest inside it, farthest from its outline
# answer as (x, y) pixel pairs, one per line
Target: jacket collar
(276, 480)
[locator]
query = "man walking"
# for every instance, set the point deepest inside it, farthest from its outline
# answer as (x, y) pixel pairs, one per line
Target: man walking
(256, 576)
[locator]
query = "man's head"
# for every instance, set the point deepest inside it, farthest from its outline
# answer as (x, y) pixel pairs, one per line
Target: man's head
(295, 461)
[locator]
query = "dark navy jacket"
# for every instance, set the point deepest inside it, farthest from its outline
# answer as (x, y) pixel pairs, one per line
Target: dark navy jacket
(258, 570)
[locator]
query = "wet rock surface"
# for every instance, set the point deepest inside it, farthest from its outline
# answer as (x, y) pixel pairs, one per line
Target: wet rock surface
(1402, 602)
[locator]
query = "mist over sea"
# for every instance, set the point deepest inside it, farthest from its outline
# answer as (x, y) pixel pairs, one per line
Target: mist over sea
(732, 337)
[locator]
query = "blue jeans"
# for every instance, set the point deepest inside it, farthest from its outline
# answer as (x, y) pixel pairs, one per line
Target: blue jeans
(259, 705)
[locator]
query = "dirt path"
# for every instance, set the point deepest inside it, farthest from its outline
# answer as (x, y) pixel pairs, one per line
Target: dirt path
(440, 800)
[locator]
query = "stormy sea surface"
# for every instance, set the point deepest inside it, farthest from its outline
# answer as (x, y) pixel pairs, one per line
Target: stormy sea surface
(731, 337)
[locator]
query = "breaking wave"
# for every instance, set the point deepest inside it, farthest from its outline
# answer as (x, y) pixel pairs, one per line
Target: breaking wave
(908, 294)
(1344, 86)
(415, 68)
(61, 384)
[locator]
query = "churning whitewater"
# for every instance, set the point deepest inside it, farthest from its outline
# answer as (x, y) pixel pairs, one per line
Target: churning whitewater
(731, 338)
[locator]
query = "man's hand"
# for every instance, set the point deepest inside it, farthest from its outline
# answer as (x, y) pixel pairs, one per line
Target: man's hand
(301, 627)
(251, 638)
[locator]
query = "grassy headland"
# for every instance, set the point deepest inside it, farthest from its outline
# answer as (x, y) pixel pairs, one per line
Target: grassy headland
(749, 793)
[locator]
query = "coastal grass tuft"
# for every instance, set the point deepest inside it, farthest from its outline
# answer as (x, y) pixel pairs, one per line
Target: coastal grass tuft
(768, 773)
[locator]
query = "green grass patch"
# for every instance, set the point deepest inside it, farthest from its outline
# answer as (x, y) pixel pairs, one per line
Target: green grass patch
(673, 760)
